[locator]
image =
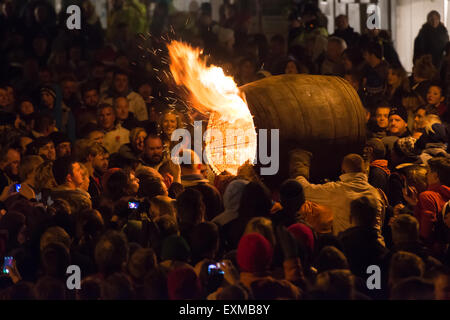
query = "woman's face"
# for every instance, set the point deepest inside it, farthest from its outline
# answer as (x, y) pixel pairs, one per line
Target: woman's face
(434, 95)
(291, 68)
(419, 119)
(26, 108)
(393, 79)
(139, 141)
(169, 124)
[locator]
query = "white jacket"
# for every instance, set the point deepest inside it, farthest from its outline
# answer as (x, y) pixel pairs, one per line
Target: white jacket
(115, 138)
(338, 195)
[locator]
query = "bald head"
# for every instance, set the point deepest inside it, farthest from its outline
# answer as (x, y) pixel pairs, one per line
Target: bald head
(353, 163)
(122, 108)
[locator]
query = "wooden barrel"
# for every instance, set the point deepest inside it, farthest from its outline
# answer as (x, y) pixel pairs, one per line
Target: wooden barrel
(322, 114)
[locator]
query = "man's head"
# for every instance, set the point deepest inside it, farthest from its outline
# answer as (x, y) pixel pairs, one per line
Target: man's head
(69, 87)
(419, 118)
(190, 207)
(363, 212)
(106, 117)
(374, 150)
(292, 195)
(373, 53)
(120, 82)
(122, 108)
(90, 95)
(189, 162)
(353, 163)
(398, 121)
(28, 167)
(341, 22)
(68, 171)
(48, 96)
(46, 148)
(439, 171)
(153, 149)
(434, 18)
(404, 265)
(98, 156)
(111, 252)
(405, 228)
(335, 48)
(10, 161)
(382, 115)
(62, 144)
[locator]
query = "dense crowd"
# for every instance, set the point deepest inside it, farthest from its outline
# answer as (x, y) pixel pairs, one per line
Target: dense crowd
(86, 177)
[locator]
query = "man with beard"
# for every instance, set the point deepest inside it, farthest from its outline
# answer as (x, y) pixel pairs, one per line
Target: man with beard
(9, 167)
(96, 159)
(153, 152)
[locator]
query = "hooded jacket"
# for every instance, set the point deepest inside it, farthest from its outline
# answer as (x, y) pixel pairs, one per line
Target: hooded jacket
(430, 203)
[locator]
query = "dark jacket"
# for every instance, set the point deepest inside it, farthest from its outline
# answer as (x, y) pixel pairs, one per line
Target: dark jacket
(379, 175)
(362, 249)
(431, 41)
(351, 37)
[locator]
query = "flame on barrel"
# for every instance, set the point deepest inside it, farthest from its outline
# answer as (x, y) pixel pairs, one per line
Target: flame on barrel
(230, 139)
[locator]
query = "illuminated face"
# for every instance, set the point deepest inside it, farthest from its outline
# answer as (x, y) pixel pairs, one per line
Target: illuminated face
(13, 161)
(26, 108)
(382, 115)
(419, 119)
(122, 108)
(100, 163)
(91, 98)
(434, 96)
(139, 141)
(48, 151)
(397, 126)
(77, 175)
(63, 149)
(134, 183)
(97, 136)
(169, 124)
(154, 150)
(106, 118)
(291, 68)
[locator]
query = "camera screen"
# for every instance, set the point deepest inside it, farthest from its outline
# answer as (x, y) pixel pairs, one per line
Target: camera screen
(133, 205)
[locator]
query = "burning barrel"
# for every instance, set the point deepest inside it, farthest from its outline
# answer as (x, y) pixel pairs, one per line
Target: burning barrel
(322, 114)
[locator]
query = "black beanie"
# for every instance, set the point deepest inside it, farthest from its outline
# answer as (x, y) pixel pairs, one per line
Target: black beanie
(399, 111)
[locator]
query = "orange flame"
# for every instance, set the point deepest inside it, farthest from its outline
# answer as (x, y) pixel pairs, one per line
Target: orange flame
(217, 94)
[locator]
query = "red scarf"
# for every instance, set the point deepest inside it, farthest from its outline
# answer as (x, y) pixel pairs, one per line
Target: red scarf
(382, 164)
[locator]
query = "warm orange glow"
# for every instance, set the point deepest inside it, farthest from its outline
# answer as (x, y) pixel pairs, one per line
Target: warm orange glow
(231, 137)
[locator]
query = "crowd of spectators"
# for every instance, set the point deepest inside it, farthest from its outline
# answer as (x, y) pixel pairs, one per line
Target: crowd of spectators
(86, 177)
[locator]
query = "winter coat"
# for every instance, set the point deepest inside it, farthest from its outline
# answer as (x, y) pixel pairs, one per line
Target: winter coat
(351, 37)
(78, 199)
(362, 249)
(379, 174)
(338, 196)
(431, 41)
(429, 205)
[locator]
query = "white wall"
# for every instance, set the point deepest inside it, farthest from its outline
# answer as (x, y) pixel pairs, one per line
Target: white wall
(410, 15)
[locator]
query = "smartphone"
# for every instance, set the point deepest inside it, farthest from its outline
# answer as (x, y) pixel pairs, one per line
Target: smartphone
(133, 205)
(215, 268)
(17, 186)
(8, 262)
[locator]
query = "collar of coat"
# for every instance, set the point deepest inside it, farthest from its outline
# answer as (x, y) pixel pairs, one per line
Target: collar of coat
(353, 176)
